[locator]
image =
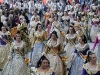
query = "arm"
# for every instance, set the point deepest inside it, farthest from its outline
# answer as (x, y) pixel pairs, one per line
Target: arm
(96, 41)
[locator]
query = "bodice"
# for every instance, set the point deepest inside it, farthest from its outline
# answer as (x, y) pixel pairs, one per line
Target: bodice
(65, 17)
(70, 38)
(95, 21)
(17, 48)
(83, 49)
(53, 48)
(39, 36)
(37, 72)
(91, 71)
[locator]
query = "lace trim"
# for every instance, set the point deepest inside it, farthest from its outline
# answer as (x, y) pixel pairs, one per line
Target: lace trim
(89, 71)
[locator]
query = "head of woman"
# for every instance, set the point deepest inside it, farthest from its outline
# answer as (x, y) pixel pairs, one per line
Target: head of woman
(43, 63)
(82, 39)
(65, 13)
(36, 19)
(95, 16)
(52, 15)
(71, 30)
(91, 57)
(39, 27)
(54, 35)
(56, 18)
(18, 37)
(4, 29)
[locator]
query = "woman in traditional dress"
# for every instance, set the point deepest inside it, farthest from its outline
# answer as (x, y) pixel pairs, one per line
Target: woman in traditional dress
(16, 64)
(71, 14)
(91, 67)
(49, 24)
(77, 60)
(38, 44)
(65, 21)
(69, 48)
(4, 46)
(94, 29)
(43, 67)
(56, 26)
(53, 48)
(32, 27)
(90, 16)
(47, 15)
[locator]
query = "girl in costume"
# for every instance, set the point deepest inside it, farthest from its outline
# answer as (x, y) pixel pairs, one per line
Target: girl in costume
(91, 67)
(38, 44)
(77, 61)
(53, 48)
(94, 29)
(16, 64)
(5, 38)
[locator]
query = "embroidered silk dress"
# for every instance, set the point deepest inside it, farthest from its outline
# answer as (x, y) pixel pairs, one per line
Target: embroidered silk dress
(38, 43)
(52, 53)
(88, 71)
(4, 47)
(16, 65)
(78, 61)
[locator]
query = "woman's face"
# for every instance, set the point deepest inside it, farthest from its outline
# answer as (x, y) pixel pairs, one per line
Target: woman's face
(4, 29)
(65, 13)
(70, 30)
(39, 27)
(45, 64)
(53, 36)
(18, 37)
(93, 58)
(80, 39)
(55, 18)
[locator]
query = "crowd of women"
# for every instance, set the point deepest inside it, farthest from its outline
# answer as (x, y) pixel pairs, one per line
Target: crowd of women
(50, 38)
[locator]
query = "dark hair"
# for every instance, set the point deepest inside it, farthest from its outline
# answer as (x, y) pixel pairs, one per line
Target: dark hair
(73, 29)
(19, 33)
(40, 61)
(4, 26)
(84, 38)
(38, 25)
(88, 56)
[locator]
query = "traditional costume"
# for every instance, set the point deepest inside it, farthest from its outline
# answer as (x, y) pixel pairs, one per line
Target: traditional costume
(52, 53)
(38, 44)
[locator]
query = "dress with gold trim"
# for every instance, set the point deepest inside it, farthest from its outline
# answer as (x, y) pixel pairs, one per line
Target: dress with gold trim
(16, 65)
(39, 46)
(48, 72)
(52, 53)
(88, 71)
(4, 47)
